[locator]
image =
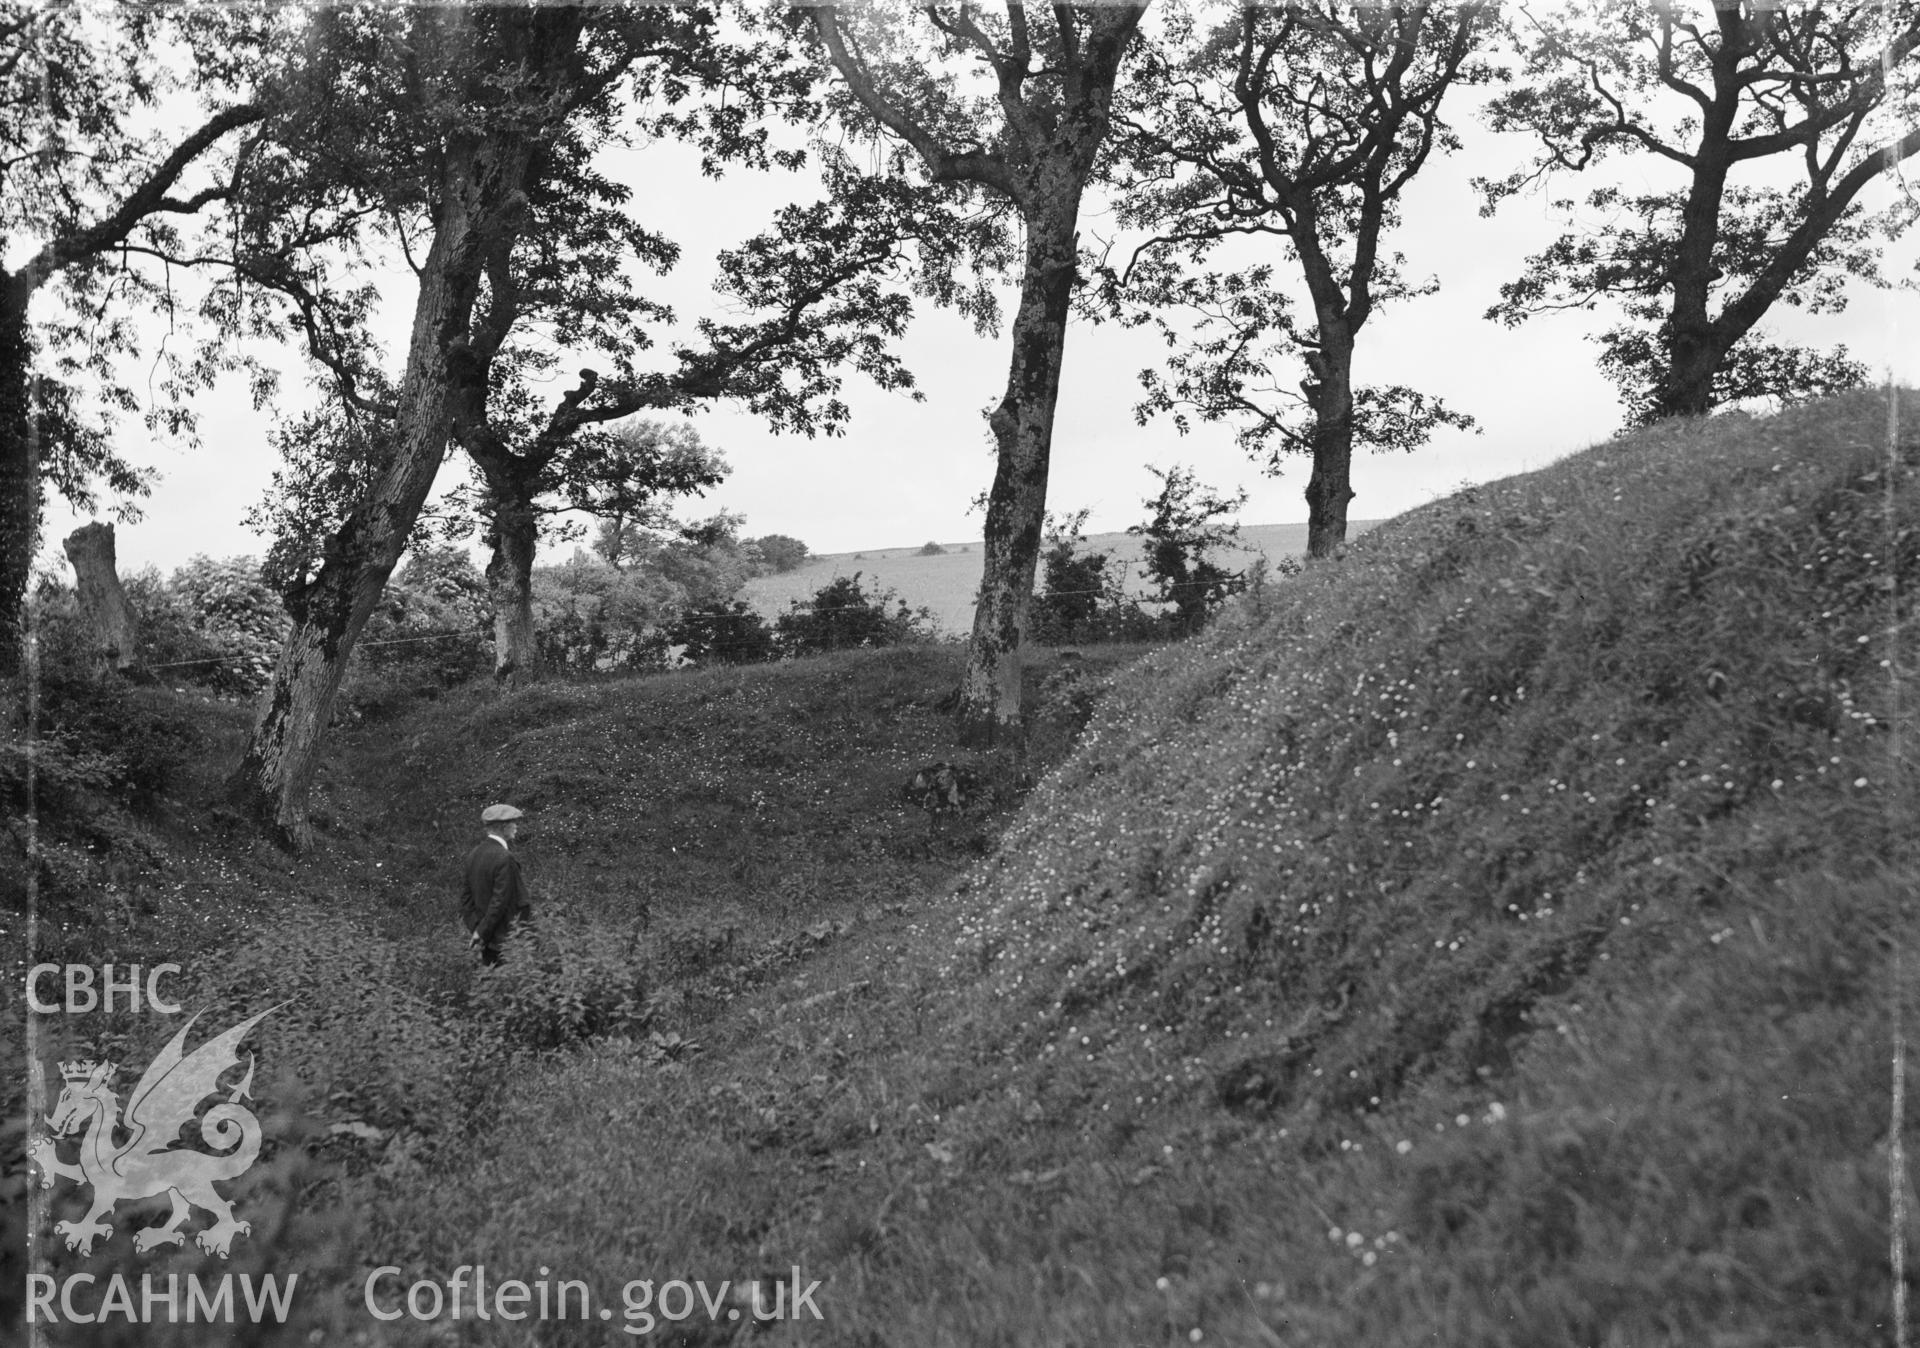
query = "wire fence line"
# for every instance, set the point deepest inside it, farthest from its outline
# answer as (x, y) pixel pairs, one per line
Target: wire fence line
(221, 659)
(683, 618)
(714, 618)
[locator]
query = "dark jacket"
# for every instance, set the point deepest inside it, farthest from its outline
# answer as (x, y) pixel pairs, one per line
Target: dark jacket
(496, 895)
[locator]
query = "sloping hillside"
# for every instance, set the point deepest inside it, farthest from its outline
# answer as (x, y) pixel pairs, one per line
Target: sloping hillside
(1492, 936)
(1537, 725)
(1489, 938)
(1580, 808)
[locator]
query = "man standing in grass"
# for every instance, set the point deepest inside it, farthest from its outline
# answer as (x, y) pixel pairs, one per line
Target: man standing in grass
(496, 896)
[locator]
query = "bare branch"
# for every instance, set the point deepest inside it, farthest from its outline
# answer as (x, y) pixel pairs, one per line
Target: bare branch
(943, 164)
(146, 199)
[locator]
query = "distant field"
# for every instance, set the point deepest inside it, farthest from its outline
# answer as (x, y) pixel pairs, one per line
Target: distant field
(946, 583)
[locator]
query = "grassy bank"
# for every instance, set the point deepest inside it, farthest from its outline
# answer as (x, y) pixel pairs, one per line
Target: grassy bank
(693, 837)
(1494, 936)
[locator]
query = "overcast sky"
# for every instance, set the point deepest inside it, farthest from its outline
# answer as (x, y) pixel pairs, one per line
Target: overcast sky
(905, 471)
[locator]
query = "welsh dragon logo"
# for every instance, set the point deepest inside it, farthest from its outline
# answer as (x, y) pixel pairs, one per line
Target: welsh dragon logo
(147, 1163)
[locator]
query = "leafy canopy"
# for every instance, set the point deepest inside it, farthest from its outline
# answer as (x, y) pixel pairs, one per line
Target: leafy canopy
(121, 129)
(1772, 120)
(1297, 128)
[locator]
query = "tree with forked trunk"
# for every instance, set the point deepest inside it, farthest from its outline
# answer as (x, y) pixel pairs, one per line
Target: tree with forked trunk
(1030, 143)
(1300, 124)
(482, 149)
(473, 96)
(824, 291)
(1825, 94)
(626, 475)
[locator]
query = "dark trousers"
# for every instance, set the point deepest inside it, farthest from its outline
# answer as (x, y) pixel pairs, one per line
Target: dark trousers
(490, 951)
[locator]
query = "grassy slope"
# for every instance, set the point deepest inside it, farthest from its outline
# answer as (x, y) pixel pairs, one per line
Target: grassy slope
(1486, 938)
(693, 836)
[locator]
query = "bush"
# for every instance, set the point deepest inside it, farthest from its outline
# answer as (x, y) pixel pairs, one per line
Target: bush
(238, 614)
(113, 738)
(931, 550)
(841, 616)
(1179, 535)
(55, 613)
(724, 634)
(1082, 596)
(560, 983)
(417, 1036)
(170, 642)
(94, 734)
(216, 625)
(348, 1025)
(432, 631)
(591, 617)
(168, 634)
(781, 553)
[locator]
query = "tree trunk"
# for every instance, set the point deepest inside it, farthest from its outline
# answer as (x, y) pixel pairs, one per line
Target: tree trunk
(1017, 503)
(19, 472)
(515, 534)
(1686, 388)
(1694, 350)
(104, 611)
(1330, 487)
(483, 195)
(1041, 164)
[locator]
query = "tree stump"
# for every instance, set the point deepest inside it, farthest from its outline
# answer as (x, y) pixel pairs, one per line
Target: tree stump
(105, 614)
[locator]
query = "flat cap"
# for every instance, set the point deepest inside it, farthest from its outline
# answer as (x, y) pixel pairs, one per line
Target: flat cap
(498, 814)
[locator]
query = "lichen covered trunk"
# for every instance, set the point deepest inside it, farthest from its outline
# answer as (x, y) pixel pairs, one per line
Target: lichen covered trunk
(484, 194)
(515, 536)
(1022, 425)
(275, 773)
